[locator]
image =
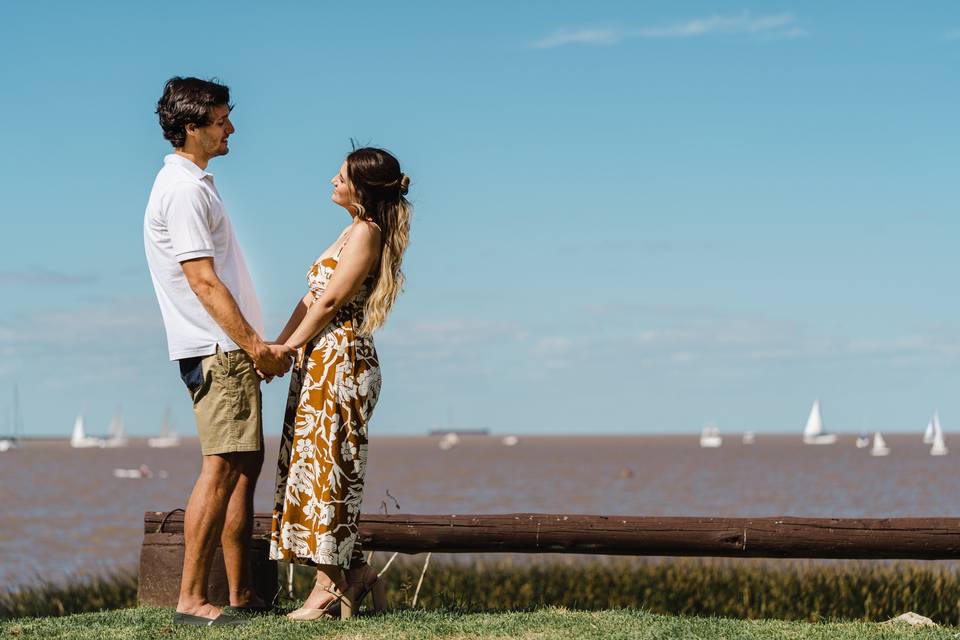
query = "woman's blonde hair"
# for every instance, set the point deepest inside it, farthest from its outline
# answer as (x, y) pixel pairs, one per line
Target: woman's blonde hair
(380, 187)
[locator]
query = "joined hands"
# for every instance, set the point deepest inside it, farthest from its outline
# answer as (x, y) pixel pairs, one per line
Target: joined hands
(273, 360)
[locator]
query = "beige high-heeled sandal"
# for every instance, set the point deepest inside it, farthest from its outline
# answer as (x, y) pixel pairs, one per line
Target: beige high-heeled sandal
(340, 605)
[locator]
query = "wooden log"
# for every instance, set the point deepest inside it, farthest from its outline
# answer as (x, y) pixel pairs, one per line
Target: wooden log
(161, 565)
(780, 537)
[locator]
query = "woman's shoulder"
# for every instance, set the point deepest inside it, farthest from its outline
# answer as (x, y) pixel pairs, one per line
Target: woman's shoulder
(366, 231)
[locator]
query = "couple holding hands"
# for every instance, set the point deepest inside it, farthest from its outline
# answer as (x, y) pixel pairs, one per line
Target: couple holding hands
(214, 331)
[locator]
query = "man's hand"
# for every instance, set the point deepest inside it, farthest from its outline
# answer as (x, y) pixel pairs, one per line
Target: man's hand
(273, 359)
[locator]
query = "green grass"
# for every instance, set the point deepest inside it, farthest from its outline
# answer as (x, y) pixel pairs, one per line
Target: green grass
(784, 590)
(540, 624)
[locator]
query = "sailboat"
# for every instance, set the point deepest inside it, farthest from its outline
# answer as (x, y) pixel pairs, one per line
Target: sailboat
(710, 437)
(880, 447)
(863, 440)
(939, 447)
(117, 436)
(813, 432)
(167, 437)
(79, 439)
(12, 441)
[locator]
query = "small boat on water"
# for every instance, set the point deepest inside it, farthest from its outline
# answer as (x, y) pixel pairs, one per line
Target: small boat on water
(880, 447)
(143, 472)
(449, 441)
(510, 441)
(939, 445)
(459, 432)
(749, 437)
(167, 438)
(710, 437)
(79, 438)
(813, 432)
(863, 440)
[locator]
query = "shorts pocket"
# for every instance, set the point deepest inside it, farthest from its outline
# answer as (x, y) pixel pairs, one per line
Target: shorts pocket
(196, 377)
(191, 372)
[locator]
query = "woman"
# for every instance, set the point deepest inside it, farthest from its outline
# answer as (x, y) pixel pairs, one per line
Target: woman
(334, 388)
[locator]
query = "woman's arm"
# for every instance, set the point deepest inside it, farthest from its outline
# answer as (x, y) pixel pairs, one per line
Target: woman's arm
(356, 260)
(295, 318)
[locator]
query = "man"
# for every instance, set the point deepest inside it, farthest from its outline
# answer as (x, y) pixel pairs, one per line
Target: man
(213, 325)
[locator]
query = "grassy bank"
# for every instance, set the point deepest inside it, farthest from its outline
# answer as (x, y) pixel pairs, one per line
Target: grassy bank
(735, 589)
(88, 593)
(541, 624)
(743, 589)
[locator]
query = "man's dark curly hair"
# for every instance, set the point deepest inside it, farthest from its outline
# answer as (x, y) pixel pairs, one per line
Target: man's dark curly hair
(188, 101)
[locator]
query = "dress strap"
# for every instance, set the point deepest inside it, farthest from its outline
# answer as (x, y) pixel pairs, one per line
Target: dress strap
(336, 256)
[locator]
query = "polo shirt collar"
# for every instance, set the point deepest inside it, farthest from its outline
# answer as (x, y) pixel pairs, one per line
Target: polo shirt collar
(191, 168)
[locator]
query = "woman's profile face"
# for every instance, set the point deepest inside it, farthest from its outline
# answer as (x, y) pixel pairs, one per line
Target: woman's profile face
(343, 193)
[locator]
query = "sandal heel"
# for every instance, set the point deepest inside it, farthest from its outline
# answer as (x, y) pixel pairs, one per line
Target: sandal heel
(379, 593)
(346, 607)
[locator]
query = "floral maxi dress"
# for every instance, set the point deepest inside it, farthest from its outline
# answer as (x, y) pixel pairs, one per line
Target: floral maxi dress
(323, 451)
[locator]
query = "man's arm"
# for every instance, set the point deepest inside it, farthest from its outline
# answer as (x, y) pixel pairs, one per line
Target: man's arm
(271, 360)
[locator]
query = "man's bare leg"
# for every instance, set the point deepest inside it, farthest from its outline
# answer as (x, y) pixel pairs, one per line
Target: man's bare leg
(237, 530)
(202, 526)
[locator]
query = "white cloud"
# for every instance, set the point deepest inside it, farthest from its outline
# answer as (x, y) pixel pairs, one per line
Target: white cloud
(739, 24)
(666, 336)
(553, 346)
(39, 276)
(118, 326)
(775, 26)
(449, 341)
(563, 37)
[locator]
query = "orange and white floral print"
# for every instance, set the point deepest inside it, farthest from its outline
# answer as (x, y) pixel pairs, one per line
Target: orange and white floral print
(323, 451)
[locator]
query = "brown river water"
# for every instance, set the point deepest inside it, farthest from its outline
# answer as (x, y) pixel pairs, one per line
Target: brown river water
(63, 513)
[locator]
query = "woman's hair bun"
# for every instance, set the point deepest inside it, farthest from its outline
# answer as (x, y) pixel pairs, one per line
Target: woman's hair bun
(404, 184)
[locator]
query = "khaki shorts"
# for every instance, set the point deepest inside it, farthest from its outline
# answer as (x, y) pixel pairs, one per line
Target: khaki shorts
(225, 389)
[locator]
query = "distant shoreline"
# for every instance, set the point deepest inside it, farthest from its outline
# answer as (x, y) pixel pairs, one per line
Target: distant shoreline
(474, 435)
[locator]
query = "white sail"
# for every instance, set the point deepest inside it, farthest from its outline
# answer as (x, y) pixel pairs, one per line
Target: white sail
(814, 425)
(12, 442)
(813, 432)
(928, 433)
(880, 447)
(165, 427)
(167, 437)
(79, 439)
(117, 432)
(78, 433)
(939, 447)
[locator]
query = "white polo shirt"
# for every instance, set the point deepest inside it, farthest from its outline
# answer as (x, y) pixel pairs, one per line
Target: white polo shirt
(186, 219)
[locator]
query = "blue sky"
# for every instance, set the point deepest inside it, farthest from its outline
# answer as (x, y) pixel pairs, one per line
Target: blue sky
(630, 217)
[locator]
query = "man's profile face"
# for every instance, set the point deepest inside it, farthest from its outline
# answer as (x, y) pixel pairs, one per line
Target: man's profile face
(213, 137)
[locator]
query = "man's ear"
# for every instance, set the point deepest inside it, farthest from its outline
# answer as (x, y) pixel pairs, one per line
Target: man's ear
(191, 129)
